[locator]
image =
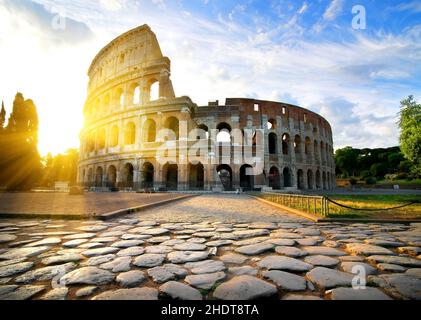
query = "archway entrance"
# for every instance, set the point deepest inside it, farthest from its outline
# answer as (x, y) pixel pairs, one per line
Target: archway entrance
(98, 177)
(148, 175)
(310, 181)
(246, 181)
(225, 175)
(287, 178)
(111, 177)
(171, 176)
(300, 179)
(196, 177)
(128, 175)
(274, 178)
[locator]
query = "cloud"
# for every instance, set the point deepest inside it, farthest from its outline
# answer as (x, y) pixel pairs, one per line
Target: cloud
(333, 10)
(54, 27)
(303, 8)
(113, 5)
(413, 6)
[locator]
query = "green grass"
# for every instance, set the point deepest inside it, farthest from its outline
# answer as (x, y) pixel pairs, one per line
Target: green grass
(373, 202)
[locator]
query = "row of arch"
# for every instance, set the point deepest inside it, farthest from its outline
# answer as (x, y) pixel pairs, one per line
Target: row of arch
(108, 177)
(98, 139)
(119, 98)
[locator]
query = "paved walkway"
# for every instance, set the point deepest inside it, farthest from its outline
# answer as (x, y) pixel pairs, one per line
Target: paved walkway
(212, 246)
(65, 204)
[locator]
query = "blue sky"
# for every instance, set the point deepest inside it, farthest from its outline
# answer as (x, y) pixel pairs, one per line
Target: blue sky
(302, 52)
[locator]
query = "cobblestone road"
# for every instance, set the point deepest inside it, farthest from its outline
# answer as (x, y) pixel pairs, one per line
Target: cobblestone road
(208, 247)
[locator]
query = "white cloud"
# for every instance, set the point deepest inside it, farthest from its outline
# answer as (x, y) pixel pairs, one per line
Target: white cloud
(303, 8)
(413, 6)
(333, 10)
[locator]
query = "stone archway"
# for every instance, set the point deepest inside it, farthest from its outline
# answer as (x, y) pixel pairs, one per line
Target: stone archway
(300, 179)
(111, 177)
(274, 178)
(148, 175)
(287, 178)
(171, 176)
(225, 175)
(246, 181)
(196, 177)
(128, 175)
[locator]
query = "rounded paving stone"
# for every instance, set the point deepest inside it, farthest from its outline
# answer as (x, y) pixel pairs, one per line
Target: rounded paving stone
(60, 259)
(244, 288)
(18, 253)
(187, 256)
(120, 264)
(131, 278)
(14, 269)
(44, 242)
(286, 281)
(88, 275)
(74, 243)
(132, 251)
(367, 249)
(283, 263)
(46, 273)
(127, 243)
(56, 294)
(233, 258)
(99, 251)
(155, 231)
(86, 291)
(7, 238)
(290, 251)
(166, 272)
(325, 251)
(190, 246)
(355, 267)
(361, 294)
(238, 271)
(322, 261)
(329, 278)
(158, 249)
(403, 261)
(149, 260)
(254, 249)
(180, 291)
(207, 266)
(205, 281)
(129, 294)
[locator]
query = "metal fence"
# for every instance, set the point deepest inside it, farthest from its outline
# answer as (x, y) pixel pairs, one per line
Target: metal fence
(312, 204)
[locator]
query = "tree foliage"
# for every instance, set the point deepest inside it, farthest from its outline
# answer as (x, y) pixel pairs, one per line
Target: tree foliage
(62, 167)
(20, 164)
(410, 136)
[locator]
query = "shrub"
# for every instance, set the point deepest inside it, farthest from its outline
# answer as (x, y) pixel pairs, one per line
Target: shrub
(353, 181)
(402, 175)
(370, 180)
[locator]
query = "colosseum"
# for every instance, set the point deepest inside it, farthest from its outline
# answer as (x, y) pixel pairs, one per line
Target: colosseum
(131, 100)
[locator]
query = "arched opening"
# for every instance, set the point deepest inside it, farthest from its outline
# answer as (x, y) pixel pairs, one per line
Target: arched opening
(98, 177)
(91, 142)
(172, 125)
(111, 177)
(114, 136)
(171, 176)
(297, 144)
(273, 143)
(149, 131)
(135, 93)
(318, 180)
(100, 139)
(316, 149)
(205, 129)
(90, 177)
(128, 175)
(274, 178)
(310, 181)
(307, 146)
(83, 180)
(224, 134)
(154, 90)
(148, 175)
(300, 179)
(287, 178)
(324, 180)
(196, 177)
(285, 143)
(246, 181)
(130, 134)
(271, 125)
(225, 175)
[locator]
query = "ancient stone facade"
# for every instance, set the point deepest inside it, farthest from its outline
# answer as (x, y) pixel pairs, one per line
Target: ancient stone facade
(131, 98)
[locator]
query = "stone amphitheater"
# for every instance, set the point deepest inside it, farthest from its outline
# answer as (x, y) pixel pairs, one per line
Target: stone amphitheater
(131, 102)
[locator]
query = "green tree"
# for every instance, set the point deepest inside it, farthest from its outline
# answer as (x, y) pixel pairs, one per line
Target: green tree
(346, 160)
(21, 163)
(410, 136)
(2, 116)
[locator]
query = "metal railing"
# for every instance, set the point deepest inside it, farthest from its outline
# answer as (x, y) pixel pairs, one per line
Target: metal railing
(311, 204)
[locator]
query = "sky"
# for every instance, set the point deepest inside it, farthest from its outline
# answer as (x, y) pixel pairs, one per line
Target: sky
(316, 54)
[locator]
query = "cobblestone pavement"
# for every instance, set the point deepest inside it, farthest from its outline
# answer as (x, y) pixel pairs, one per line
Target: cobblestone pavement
(208, 247)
